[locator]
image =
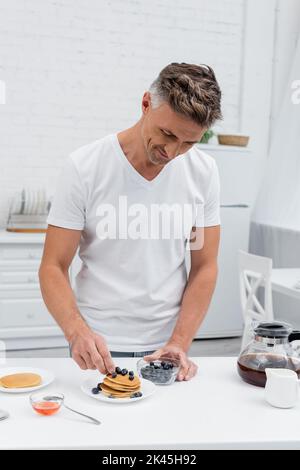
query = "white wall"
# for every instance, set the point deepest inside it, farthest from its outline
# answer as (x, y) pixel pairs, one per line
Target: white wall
(287, 31)
(75, 70)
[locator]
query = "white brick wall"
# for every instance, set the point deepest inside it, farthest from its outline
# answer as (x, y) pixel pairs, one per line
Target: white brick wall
(75, 70)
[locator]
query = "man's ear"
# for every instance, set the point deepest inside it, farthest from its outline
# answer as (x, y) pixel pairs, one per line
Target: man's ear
(146, 102)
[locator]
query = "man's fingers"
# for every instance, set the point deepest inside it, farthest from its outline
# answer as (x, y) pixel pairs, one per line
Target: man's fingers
(182, 373)
(97, 360)
(108, 362)
(191, 372)
(98, 363)
(184, 361)
(90, 352)
(152, 357)
(88, 360)
(80, 361)
(184, 366)
(187, 373)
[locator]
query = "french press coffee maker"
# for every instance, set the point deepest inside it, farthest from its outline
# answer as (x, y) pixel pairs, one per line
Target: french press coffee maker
(270, 348)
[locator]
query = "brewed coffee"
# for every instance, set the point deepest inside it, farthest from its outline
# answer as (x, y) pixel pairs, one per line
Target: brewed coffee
(251, 367)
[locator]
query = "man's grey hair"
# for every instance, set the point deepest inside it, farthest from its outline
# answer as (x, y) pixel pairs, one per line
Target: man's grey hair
(190, 90)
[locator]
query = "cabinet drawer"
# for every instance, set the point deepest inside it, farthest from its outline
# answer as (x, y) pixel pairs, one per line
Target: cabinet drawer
(20, 265)
(20, 291)
(24, 312)
(21, 253)
(25, 277)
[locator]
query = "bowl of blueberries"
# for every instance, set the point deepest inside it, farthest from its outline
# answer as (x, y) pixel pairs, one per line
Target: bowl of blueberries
(162, 371)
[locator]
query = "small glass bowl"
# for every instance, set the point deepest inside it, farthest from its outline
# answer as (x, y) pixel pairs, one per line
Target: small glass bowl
(162, 371)
(46, 404)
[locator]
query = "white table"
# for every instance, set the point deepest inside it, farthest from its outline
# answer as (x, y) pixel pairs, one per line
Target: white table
(216, 410)
(284, 279)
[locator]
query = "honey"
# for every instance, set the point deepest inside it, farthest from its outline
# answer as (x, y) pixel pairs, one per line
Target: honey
(46, 408)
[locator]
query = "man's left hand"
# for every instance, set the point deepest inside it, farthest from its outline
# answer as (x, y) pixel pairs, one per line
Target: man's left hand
(188, 368)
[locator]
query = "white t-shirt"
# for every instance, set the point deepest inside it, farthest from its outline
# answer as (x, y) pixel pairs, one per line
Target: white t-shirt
(133, 274)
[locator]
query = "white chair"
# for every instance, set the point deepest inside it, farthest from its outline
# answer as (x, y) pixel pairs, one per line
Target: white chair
(254, 272)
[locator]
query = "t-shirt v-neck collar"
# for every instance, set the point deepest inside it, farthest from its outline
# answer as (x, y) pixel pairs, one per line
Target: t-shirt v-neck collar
(130, 168)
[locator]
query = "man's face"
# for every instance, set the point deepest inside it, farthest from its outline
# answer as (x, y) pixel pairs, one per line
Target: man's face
(166, 134)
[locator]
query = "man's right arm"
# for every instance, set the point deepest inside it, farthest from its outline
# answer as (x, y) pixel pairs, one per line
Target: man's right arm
(89, 349)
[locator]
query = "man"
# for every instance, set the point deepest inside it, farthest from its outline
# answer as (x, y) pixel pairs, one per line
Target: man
(132, 296)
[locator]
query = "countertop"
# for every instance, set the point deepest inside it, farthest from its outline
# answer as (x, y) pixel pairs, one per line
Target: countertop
(215, 410)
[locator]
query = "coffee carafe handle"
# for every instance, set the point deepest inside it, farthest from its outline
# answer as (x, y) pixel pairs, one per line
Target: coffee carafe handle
(294, 335)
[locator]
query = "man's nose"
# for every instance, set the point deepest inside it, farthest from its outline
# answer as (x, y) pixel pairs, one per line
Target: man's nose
(172, 150)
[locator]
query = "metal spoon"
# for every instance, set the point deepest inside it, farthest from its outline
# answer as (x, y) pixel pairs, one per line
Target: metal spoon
(3, 415)
(54, 398)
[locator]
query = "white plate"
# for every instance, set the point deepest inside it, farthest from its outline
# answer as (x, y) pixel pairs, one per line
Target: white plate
(18, 202)
(42, 201)
(15, 204)
(35, 209)
(31, 196)
(29, 201)
(39, 197)
(22, 201)
(33, 202)
(147, 389)
(45, 202)
(47, 378)
(26, 201)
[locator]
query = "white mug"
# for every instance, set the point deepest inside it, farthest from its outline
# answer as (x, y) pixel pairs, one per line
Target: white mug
(281, 388)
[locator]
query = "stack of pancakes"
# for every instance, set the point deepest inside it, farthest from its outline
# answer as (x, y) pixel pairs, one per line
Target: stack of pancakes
(119, 386)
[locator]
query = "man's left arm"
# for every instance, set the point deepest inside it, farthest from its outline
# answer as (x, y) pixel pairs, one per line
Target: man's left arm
(195, 301)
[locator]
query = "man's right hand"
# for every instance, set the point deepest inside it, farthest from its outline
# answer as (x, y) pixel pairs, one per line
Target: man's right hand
(89, 351)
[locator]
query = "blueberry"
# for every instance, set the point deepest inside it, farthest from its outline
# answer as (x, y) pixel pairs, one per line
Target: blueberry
(151, 363)
(171, 365)
(131, 377)
(118, 370)
(156, 366)
(131, 372)
(124, 371)
(99, 386)
(166, 367)
(162, 363)
(95, 391)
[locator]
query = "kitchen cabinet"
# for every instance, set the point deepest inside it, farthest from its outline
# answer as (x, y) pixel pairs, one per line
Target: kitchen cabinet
(25, 322)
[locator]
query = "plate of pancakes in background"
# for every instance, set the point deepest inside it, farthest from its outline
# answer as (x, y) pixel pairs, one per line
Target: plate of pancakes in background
(24, 379)
(122, 386)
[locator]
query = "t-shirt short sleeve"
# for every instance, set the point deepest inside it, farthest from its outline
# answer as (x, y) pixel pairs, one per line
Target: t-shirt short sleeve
(208, 215)
(68, 203)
